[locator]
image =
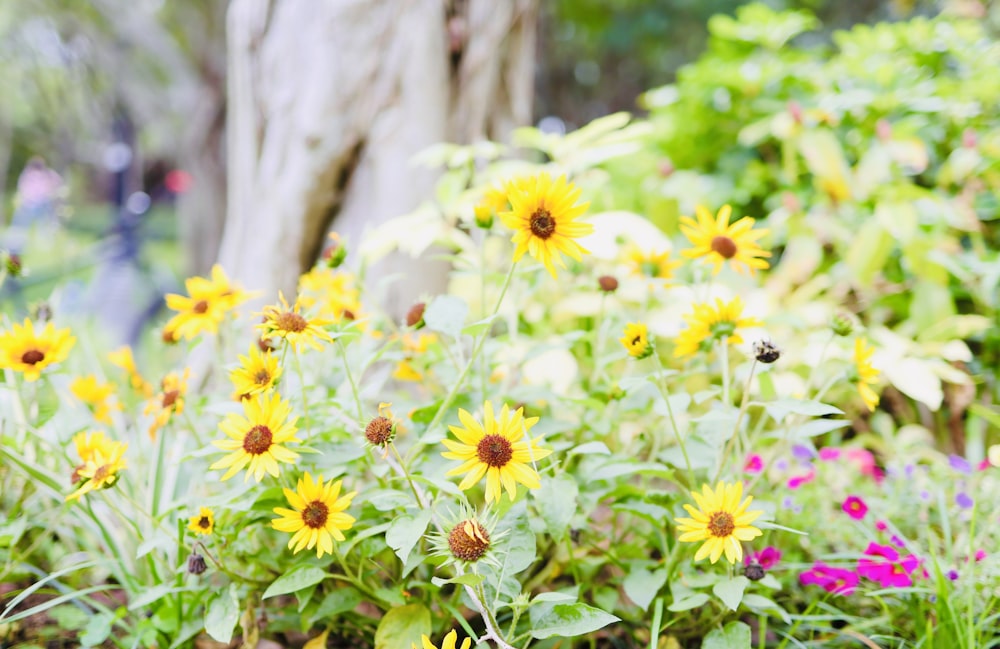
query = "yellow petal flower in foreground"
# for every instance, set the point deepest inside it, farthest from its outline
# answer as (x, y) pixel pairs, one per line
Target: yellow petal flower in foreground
(449, 642)
(258, 372)
(289, 323)
(123, 358)
(721, 521)
(867, 375)
(719, 241)
(208, 302)
(497, 448)
(25, 350)
(101, 468)
(203, 523)
(543, 214)
(88, 444)
(95, 394)
(256, 440)
(636, 340)
(317, 516)
(708, 323)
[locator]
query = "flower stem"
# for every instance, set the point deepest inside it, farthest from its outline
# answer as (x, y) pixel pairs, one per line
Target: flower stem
(406, 474)
(724, 342)
(492, 628)
(303, 388)
(744, 401)
(350, 379)
(662, 385)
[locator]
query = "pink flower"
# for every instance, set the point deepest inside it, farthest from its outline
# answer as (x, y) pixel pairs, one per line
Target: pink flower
(881, 526)
(865, 462)
(799, 480)
(754, 464)
(833, 580)
(766, 558)
(980, 555)
(829, 453)
(855, 507)
(887, 568)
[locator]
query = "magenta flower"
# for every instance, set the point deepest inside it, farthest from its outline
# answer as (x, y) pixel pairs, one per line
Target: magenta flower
(980, 555)
(855, 507)
(865, 462)
(754, 464)
(833, 580)
(829, 453)
(887, 568)
(881, 526)
(799, 480)
(766, 558)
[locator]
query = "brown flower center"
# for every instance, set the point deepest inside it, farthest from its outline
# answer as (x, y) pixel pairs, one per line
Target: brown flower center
(257, 440)
(170, 397)
(379, 431)
(636, 341)
(721, 524)
(200, 306)
(291, 322)
(495, 450)
(32, 356)
(469, 541)
(102, 473)
(262, 377)
(315, 514)
(725, 246)
(203, 523)
(542, 224)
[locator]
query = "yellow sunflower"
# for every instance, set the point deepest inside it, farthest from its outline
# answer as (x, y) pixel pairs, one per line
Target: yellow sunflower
(25, 350)
(719, 241)
(289, 323)
(317, 516)
(721, 521)
(494, 202)
(496, 449)
(95, 394)
(88, 444)
(332, 293)
(206, 305)
(123, 358)
(708, 323)
(258, 372)
(865, 375)
(636, 340)
(170, 401)
(100, 468)
(449, 642)
(203, 523)
(543, 214)
(256, 440)
(652, 264)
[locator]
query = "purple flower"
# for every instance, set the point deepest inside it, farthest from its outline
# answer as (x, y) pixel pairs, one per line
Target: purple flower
(855, 507)
(925, 495)
(833, 580)
(959, 463)
(767, 558)
(898, 542)
(802, 452)
(963, 500)
(953, 575)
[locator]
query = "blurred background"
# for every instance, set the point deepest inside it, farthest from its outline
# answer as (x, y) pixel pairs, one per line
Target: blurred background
(143, 140)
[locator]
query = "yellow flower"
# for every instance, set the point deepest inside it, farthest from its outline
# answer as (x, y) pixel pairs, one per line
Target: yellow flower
(169, 401)
(122, 357)
(636, 340)
(406, 372)
(88, 390)
(317, 516)
(258, 372)
(718, 241)
(256, 440)
(866, 375)
(496, 449)
(710, 323)
(413, 345)
(449, 642)
(290, 324)
(203, 523)
(332, 292)
(99, 469)
(656, 265)
(721, 521)
(22, 349)
(543, 215)
(206, 305)
(494, 202)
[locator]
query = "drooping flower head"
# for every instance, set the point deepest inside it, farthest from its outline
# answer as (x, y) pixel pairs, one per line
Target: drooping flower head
(96, 396)
(169, 401)
(497, 448)
(833, 580)
(721, 521)
(123, 358)
(256, 441)
(290, 324)
(865, 375)
(448, 643)
(208, 302)
(543, 214)
(317, 516)
(718, 241)
(708, 323)
(25, 350)
(101, 461)
(653, 264)
(203, 522)
(855, 507)
(636, 340)
(258, 372)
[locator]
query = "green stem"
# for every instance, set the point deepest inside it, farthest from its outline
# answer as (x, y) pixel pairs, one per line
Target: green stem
(406, 474)
(350, 379)
(662, 385)
(305, 392)
(724, 342)
(736, 429)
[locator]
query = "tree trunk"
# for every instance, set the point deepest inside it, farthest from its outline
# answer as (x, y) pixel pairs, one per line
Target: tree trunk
(328, 103)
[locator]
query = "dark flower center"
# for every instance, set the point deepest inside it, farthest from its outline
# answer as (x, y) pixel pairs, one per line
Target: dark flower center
(291, 322)
(200, 307)
(542, 224)
(636, 340)
(721, 524)
(257, 440)
(262, 377)
(315, 514)
(468, 541)
(378, 432)
(170, 397)
(102, 472)
(725, 246)
(203, 523)
(495, 451)
(32, 356)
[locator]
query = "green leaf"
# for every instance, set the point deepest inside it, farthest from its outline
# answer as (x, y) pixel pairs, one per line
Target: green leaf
(869, 252)
(557, 503)
(689, 602)
(590, 448)
(735, 635)
(222, 614)
(731, 591)
(295, 580)
(642, 585)
(339, 601)
(98, 629)
(519, 549)
(783, 407)
(406, 531)
(12, 530)
(469, 579)
(401, 626)
(446, 314)
(814, 428)
(568, 620)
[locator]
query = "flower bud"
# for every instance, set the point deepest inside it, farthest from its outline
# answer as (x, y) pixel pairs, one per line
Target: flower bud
(766, 351)
(842, 324)
(469, 541)
(13, 263)
(196, 564)
(607, 283)
(335, 253)
(484, 216)
(415, 316)
(753, 572)
(380, 431)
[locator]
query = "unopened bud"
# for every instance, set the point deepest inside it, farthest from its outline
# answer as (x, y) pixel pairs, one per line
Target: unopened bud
(13, 263)
(607, 283)
(169, 336)
(196, 564)
(753, 572)
(415, 316)
(484, 216)
(335, 253)
(842, 324)
(765, 351)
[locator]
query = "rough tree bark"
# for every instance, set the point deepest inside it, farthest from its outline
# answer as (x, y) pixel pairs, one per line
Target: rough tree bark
(328, 102)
